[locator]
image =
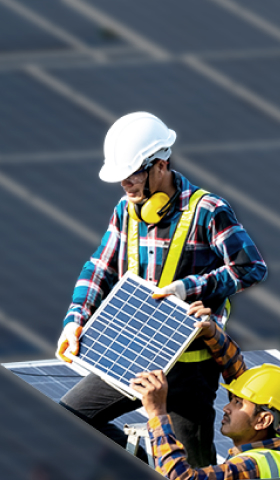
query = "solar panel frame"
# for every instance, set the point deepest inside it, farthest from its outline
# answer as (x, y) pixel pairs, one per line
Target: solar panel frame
(127, 325)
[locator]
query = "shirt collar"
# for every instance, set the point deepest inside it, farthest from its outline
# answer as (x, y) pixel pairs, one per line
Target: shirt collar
(271, 443)
(187, 190)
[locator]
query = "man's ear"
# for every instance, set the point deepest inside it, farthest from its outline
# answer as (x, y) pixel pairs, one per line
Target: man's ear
(264, 420)
(161, 164)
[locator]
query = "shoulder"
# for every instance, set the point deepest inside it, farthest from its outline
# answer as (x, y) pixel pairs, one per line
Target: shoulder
(211, 202)
(243, 466)
(213, 208)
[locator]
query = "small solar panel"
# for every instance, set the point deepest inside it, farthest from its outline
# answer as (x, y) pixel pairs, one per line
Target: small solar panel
(132, 332)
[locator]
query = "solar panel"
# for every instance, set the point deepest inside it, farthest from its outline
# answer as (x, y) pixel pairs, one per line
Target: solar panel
(54, 378)
(132, 332)
(51, 377)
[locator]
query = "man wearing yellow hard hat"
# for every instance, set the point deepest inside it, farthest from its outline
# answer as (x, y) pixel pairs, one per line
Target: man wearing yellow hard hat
(251, 418)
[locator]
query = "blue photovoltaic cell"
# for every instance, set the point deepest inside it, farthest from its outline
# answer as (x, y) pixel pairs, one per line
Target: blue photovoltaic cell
(132, 332)
(53, 378)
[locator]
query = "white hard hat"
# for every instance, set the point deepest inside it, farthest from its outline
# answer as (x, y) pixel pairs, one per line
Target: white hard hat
(130, 142)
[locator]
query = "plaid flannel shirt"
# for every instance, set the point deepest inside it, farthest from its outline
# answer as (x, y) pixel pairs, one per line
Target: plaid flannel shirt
(169, 453)
(219, 258)
(170, 456)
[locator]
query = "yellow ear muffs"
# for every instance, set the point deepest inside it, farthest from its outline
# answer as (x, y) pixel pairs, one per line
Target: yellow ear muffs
(150, 209)
(148, 212)
(131, 212)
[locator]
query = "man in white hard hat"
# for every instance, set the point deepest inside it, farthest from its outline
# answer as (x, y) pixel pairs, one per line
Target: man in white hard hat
(251, 418)
(183, 239)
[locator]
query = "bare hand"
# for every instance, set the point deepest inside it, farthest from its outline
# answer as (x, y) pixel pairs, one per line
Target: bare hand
(153, 387)
(208, 327)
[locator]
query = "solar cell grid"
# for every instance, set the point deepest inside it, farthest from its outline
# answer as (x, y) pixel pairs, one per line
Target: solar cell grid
(132, 332)
(51, 377)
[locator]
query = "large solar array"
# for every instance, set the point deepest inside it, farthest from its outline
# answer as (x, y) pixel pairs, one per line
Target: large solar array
(132, 332)
(54, 378)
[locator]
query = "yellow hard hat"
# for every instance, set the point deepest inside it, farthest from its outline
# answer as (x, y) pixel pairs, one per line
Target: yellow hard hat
(260, 385)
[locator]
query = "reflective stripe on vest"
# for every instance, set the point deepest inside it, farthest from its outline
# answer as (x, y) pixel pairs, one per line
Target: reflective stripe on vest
(178, 240)
(172, 260)
(268, 461)
(132, 246)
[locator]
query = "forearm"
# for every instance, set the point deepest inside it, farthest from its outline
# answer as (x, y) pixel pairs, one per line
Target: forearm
(93, 284)
(169, 454)
(171, 458)
(227, 354)
(223, 282)
(235, 264)
(97, 277)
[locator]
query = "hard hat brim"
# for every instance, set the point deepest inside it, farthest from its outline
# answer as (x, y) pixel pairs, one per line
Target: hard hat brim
(111, 175)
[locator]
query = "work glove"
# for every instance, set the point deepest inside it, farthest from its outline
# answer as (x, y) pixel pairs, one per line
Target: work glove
(69, 338)
(176, 288)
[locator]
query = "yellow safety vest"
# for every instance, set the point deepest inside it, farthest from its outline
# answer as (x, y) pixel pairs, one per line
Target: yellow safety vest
(172, 260)
(268, 461)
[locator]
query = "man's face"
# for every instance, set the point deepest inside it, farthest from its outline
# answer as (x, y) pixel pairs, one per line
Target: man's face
(134, 185)
(239, 420)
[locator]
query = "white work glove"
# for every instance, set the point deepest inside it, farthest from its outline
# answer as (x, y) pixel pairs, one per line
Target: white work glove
(69, 338)
(176, 288)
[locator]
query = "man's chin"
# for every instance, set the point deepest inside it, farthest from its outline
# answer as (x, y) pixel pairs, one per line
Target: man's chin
(223, 430)
(134, 198)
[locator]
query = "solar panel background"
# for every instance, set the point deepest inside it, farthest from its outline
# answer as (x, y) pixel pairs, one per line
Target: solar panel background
(43, 440)
(132, 332)
(92, 63)
(53, 378)
(168, 60)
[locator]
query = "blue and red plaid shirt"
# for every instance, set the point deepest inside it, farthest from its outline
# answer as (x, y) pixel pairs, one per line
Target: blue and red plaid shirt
(169, 453)
(219, 258)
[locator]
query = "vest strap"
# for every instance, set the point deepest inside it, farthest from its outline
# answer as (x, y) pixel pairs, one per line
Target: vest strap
(178, 241)
(172, 260)
(195, 356)
(132, 246)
